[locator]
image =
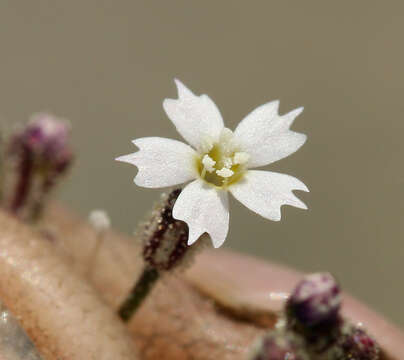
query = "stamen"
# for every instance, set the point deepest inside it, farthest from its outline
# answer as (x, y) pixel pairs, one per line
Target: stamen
(225, 172)
(208, 163)
(227, 162)
(221, 164)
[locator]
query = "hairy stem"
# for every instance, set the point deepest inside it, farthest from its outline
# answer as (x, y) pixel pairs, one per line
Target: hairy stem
(138, 293)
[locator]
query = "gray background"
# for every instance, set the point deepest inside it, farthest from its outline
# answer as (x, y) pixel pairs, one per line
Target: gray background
(107, 66)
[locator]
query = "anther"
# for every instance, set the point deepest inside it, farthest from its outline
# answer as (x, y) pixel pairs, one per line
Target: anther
(225, 172)
(208, 163)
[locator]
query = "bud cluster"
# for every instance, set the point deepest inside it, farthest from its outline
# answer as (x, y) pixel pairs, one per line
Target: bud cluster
(41, 154)
(313, 310)
(314, 329)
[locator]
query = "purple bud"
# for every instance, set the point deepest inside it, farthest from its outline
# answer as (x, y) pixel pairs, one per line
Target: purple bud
(48, 138)
(356, 344)
(42, 153)
(316, 300)
(279, 346)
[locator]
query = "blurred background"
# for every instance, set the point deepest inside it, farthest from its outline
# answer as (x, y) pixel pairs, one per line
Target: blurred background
(108, 65)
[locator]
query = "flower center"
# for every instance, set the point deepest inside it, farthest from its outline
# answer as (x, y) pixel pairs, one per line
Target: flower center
(221, 164)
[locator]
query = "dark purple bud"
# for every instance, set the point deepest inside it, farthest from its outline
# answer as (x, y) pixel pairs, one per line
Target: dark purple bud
(316, 300)
(355, 344)
(279, 346)
(165, 238)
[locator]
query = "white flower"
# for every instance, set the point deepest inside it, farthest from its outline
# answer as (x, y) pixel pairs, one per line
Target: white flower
(218, 160)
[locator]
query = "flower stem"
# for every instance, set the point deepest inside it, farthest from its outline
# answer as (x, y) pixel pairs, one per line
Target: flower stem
(138, 293)
(26, 167)
(36, 209)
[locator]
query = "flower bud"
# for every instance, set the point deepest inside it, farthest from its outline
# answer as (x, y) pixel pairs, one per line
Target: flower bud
(313, 311)
(42, 153)
(316, 300)
(356, 344)
(165, 238)
(279, 346)
(47, 138)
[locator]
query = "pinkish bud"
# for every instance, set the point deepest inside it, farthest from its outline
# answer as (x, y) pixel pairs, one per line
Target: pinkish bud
(42, 153)
(316, 300)
(48, 138)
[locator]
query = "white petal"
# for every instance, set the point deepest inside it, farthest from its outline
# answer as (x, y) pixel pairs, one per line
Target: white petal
(264, 192)
(204, 209)
(162, 162)
(196, 118)
(265, 135)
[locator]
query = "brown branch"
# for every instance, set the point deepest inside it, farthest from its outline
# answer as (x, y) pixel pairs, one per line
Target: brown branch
(61, 313)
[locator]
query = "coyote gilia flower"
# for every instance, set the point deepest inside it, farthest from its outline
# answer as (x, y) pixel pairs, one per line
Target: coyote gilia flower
(218, 160)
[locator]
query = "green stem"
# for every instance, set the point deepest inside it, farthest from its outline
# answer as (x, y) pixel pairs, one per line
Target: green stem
(138, 293)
